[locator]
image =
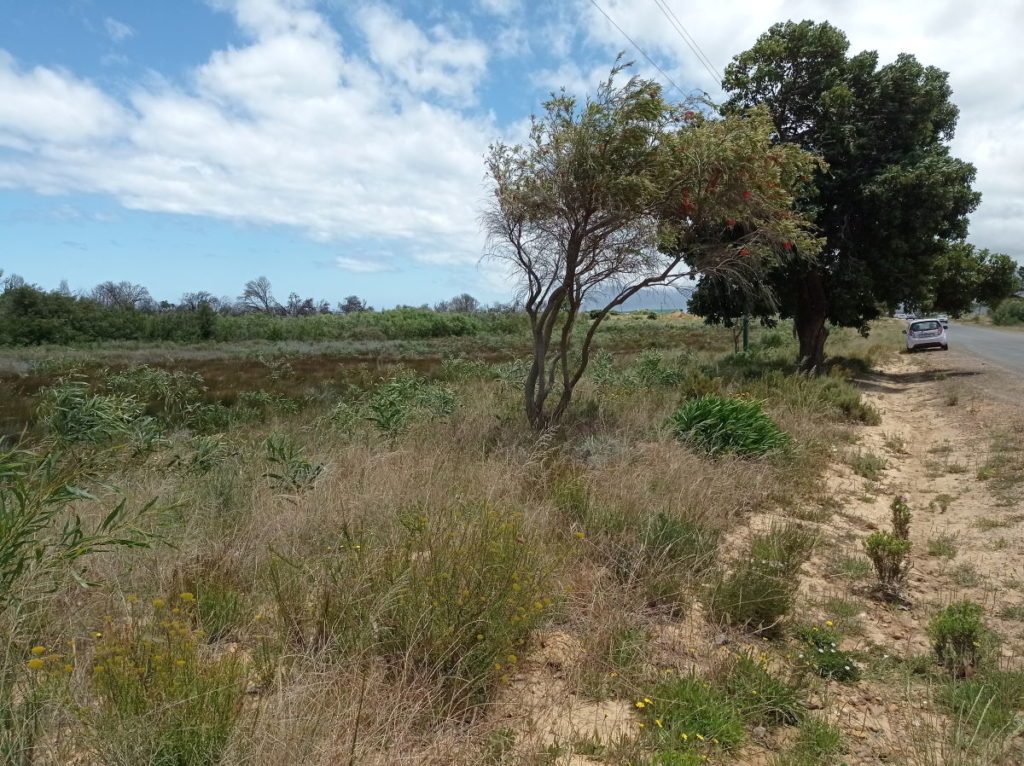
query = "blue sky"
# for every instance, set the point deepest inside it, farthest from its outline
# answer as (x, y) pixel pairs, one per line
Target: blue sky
(336, 146)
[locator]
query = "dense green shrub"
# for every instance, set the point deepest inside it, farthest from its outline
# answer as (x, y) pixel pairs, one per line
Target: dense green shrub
(687, 713)
(70, 413)
(1009, 312)
(726, 426)
(890, 555)
(959, 635)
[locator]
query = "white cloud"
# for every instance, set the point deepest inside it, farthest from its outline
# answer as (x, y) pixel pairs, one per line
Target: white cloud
(361, 265)
(439, 63)
(49, 105)
(287, 129)
(117, 30)
(977, 44)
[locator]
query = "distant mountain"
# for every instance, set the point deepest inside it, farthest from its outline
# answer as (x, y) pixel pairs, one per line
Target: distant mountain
(651, 298)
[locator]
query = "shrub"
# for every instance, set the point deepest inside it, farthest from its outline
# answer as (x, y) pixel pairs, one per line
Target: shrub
(758, 593)
(958, 634)
(900, 517)
(172, 393)
(1009, 312)
(71, 414)
(726, 426)
(891, 558)
(650, 370)
(159, 699)
(821, 653)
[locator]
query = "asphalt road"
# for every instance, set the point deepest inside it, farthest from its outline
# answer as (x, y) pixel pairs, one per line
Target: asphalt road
(1002, 347)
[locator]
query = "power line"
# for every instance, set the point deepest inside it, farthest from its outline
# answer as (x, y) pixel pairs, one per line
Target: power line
(642, 51)
(689, 39)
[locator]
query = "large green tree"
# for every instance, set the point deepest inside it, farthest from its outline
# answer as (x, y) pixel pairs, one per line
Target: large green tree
(964, 275)
(624, 191)
(891, 198)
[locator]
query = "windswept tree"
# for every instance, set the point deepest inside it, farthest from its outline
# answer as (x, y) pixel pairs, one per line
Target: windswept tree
(892, 197)
(621, 192)
(121, 295)
(353, 304)
(192, 301)
(258, 296)
(460, 304)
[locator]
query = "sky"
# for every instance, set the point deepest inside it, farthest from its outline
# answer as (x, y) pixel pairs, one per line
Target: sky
(336, 146)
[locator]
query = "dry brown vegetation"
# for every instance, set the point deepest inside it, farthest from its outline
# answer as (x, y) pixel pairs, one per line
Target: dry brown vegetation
(398, 570)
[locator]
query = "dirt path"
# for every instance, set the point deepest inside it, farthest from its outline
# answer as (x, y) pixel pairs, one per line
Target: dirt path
(940, 417)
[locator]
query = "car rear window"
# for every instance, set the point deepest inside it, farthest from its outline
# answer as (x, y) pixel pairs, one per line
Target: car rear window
(918, 326)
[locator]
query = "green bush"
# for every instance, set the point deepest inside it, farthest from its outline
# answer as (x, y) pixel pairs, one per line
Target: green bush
(758, 593)
(1009, 312)
(726, 426)
(959, 637)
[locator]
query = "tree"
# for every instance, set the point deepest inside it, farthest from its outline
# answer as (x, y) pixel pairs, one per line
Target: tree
(122, 295)
(353, 304)
(964, 275)
(623, 192)
(192, 301)
(460, 304)
(892, 197)
(999, 279)
(299, 307)
(258, 296)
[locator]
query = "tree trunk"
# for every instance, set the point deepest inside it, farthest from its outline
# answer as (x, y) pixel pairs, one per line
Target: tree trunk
(810, 319)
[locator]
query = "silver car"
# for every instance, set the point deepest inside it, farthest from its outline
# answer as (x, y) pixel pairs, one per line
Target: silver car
(926, 333)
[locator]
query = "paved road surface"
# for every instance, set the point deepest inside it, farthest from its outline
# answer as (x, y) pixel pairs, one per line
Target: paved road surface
(1003, 347)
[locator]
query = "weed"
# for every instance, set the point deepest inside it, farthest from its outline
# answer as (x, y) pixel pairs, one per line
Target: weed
(850, 568)
(160, 700)
(943, 546)
(295, 473)
(959, 634)
(966, 576)
(71, 414)
(821, 653)
(890, 556)
(688, 713)
(896, 444)
(726, 426)
(900, 517)
(989, 703)
(817, 742)
(868, 465)
(941, 502)
(760, 696)
(758, 593)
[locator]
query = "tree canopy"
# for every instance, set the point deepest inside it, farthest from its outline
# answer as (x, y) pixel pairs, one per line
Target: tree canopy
(892, 197)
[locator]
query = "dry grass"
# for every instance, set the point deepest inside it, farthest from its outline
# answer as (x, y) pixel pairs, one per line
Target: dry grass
(457, 592)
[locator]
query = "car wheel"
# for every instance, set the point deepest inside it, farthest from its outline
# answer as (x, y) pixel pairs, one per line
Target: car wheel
(945, 348)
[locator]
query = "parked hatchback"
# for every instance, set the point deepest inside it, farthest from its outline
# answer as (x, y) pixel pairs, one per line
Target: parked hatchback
(926, 333)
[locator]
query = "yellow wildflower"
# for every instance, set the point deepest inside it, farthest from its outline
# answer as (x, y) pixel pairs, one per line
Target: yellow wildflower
(829, 623)
(158, 602)
(35, 663)
(37, 650)
(187, 596)
(640, 704)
